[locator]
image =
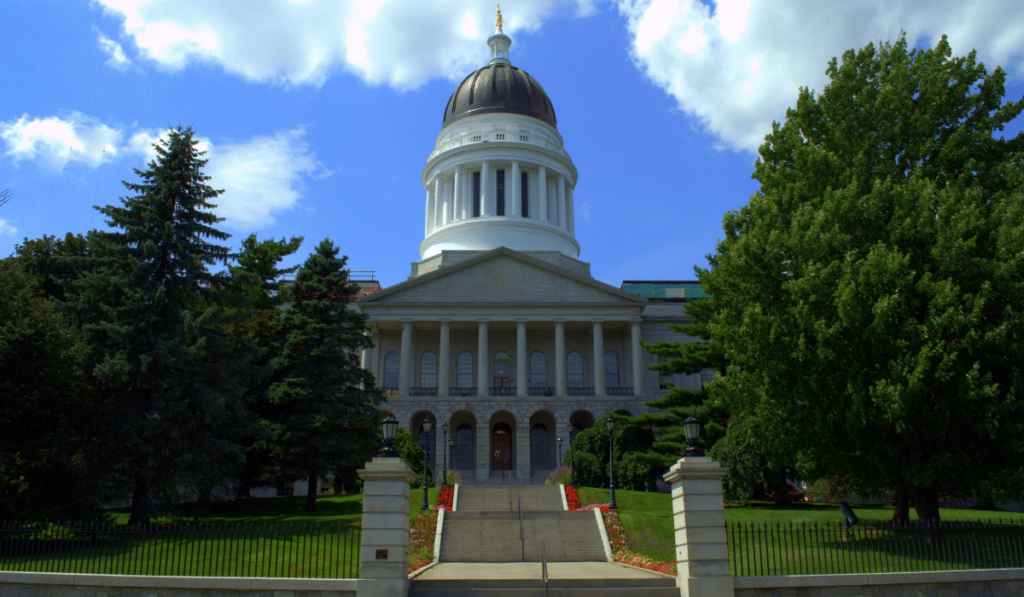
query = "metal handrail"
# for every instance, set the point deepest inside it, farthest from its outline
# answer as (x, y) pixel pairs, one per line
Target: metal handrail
(544, 566)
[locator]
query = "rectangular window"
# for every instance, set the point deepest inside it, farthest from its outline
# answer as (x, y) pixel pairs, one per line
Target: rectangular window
(286, 491)
(524, 192)
(476, 194)
(499, 187)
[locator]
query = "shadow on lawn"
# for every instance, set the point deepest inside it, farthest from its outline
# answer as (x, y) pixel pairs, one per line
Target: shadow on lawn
(344, 509)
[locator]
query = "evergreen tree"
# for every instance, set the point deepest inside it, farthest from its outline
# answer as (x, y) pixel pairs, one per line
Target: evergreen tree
(870, 293)
(324, 415)
(168, 378)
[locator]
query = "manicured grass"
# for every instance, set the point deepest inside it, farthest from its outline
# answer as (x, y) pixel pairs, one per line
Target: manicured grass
(647, 517)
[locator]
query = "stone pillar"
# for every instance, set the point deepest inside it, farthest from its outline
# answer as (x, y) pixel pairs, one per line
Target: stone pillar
(438, 202)
(561, 202)
(698, 511)
(542, 195)
(522, 360)
(482, 382)
(428, 224)
(384, 557)
(459, 196)
(485, 190)
(599, 381)
(444, 359)
(517, 192)
(560, 378)
(523, 447)
(570, 212)
(405, 361)
(637, 356)
(366, 360)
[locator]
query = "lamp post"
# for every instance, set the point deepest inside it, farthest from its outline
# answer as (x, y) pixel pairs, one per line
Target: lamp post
(444, 461)
(691, 428)
(559, 451)
(427, 424)
(572, 471)
(390, 427)
(451, 451)
(609, 424)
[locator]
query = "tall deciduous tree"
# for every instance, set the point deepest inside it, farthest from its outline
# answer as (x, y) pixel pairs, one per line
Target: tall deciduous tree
(169, 379)
(325, 417)
(871, 293)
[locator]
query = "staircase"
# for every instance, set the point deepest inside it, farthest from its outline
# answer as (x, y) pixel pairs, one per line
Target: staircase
(487, 528)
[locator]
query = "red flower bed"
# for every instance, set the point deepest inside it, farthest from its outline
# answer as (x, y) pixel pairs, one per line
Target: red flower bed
(572, 498)
(421, 539)
(620, 548)
(445, 498)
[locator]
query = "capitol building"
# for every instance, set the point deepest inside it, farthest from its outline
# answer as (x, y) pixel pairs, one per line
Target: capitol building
(501, 331)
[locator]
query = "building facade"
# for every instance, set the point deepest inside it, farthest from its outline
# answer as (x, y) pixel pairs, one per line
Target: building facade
(500, 331)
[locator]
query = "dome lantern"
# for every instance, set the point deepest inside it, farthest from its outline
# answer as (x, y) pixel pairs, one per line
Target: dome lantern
(499, 43)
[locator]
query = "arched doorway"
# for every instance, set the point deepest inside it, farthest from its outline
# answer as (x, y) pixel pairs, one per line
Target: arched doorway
(501, 447)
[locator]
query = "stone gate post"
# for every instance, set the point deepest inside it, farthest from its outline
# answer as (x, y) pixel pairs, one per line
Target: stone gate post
(702, 558)
(384, 553)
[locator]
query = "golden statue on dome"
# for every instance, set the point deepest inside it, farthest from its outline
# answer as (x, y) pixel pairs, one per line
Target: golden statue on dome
(497, 22)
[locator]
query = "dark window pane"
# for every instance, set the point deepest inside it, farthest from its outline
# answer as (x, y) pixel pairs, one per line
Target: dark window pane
(574, 369)
(499, 188)
(524, 187)
(464, 370)
(538, 370)
(391, 370)
(476, 194)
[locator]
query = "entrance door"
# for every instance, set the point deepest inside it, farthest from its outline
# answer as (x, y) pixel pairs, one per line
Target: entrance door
(501, 448)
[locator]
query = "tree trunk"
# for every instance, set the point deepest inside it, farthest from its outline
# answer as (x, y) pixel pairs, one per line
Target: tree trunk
(140, 500)
(311, 492)
(926, 504)
(901, 510)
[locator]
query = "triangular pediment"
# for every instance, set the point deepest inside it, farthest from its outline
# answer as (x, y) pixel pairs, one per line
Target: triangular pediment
(502, 276)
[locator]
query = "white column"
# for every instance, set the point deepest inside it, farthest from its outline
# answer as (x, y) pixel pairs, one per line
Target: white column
(428, 224)
(522, 360)
(570, 212)
(561, 202)
(459, 195)
(482, 379)
(542, 196)
(485, 191)
(438, 200)
(366, 358)
(560, 379)
(599, 387)
(638, 355)
(405, 361)
(446, 203)
(517, 192)
(444, 358)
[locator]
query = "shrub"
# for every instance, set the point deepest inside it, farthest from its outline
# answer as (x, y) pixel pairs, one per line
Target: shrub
(452, 477)
(412, 454)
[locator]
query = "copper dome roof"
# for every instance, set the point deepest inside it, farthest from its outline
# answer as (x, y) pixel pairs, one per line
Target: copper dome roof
(499, 88)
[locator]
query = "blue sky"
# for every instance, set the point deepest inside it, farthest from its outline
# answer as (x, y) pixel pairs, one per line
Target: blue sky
(319, 115)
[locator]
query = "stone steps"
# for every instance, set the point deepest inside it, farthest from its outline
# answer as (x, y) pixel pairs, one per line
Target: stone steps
(496, 537)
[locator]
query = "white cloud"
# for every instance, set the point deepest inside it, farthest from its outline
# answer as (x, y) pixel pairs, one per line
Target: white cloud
(6, 229)
(57, 141)
(737, 65)
(118, 59)
(399, 43)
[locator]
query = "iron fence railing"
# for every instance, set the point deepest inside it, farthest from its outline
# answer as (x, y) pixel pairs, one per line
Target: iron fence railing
(619, 391)
(182, 549)
(763, 549)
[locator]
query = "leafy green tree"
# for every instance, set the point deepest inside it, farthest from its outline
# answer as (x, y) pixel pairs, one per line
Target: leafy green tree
(47, 435)
(325, 415)
(413, 454)
(53, 261)
(590, 456)
(870, 294)
(166, 376)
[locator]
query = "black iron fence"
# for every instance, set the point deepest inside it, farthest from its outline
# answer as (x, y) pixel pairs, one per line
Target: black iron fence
(185, 549)
(763, 549)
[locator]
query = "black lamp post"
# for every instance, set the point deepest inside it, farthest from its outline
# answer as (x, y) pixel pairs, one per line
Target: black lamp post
(691, 427)
(572, 471)
(559, 451)
(451, 451)
(444, 461)
(427, 424)
(610, 425)
(390, 427)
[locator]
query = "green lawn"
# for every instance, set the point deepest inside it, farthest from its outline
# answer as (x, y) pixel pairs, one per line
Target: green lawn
(647, 521)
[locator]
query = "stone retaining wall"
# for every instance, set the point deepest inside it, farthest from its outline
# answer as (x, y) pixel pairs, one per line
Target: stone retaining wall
(46, 584)
(986, 583)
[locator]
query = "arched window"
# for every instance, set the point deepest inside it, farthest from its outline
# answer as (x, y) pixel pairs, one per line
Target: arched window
(464, 444)
(502, 374)
(538, 370)
(391, 370)
(611, 369)
(539, 443)
(574, 369)
(428, 370)
(464, 370)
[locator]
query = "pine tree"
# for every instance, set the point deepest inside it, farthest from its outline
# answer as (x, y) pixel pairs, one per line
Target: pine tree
(325, 417)
(167, 376)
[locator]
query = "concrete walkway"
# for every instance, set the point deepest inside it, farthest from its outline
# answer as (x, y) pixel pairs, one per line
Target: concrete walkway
(532, 571)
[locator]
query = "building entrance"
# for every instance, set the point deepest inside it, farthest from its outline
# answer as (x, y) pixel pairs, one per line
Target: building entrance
(501, 448)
